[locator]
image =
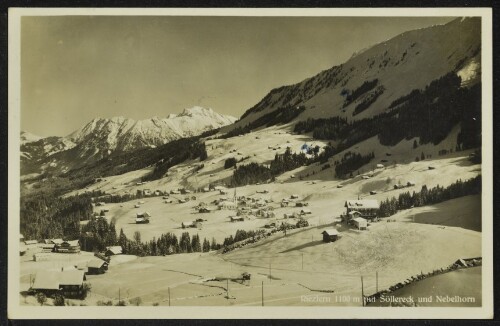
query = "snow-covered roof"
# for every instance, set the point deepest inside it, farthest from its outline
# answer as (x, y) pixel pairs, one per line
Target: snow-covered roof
(72, 243)
(360, 220)
(52, 280)
(96, 263)
(115, 250)
(331, 232)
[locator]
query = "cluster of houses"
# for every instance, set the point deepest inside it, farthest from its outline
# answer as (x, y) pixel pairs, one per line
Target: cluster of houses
(57, 245)
(358, 213)
(69, 280)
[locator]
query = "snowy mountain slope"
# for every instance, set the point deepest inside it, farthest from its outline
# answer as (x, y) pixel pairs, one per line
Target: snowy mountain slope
(101, 137)
(389, 70)
(34, 150)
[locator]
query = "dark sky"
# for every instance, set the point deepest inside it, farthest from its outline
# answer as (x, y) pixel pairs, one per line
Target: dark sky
(76, 68)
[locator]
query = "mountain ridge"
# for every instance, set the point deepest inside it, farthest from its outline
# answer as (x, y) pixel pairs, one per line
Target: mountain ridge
(101, 137)
(404, 63)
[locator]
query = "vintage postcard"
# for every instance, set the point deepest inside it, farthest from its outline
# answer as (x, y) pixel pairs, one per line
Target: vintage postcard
(250, 163)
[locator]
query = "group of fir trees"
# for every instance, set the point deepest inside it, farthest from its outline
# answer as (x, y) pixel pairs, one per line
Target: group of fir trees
(431, 196)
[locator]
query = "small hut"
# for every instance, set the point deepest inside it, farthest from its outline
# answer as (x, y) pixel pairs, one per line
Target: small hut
(330, 235)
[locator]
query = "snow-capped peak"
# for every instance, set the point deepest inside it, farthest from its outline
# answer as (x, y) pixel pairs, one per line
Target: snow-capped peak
(197, 110)
(120, 133)
(27, 137)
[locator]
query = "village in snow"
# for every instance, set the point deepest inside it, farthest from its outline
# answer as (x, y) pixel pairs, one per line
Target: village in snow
(360, 186)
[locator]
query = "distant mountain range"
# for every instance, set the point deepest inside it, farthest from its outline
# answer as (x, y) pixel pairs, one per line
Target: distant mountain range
(102, 137)
(417, 86)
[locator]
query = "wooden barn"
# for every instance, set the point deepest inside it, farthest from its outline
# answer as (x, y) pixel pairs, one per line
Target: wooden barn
(114, 250)
(142, 218)
(96, 267)
(330, 235)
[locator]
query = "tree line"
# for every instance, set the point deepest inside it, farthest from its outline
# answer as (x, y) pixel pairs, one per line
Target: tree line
(428, 114)
(350, 162)
(431, 196)
(99, 234)
(46, 216)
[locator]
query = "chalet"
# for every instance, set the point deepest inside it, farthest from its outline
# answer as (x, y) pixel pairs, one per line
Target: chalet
(69, 283)
(141, 202)
(165, 197)
(294, 196)
(137, 205)
(360, 223)
(47, 247)
(21, 238)
(114, 250)
(69, 247)
(158, 193)
(142, 218)
(368, 208)
(30, 242)
(305, 211)
(237, 218)
(330, 235)
(175, 192)
(380, 166)
(97, 266)
(206, 189)
(146, 192)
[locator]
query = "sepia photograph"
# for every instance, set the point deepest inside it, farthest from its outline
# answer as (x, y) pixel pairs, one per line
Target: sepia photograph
(250, 163)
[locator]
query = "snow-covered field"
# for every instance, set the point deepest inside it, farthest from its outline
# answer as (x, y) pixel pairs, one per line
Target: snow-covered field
(299, 263)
